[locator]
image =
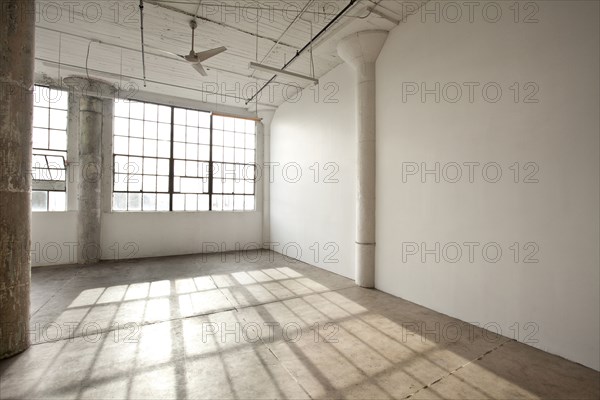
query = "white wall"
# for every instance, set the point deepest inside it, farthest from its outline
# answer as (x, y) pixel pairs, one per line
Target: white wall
(304, 212)
(560, 133)
(53, 238)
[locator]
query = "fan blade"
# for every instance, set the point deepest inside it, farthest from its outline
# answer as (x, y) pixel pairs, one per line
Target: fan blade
(198, 67)
(166, 52)
(205, 55)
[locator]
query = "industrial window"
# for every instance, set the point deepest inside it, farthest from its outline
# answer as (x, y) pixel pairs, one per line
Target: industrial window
(49, 149)
(177, 159)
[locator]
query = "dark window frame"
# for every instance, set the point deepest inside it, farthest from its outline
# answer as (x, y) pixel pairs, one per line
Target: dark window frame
(172, 175)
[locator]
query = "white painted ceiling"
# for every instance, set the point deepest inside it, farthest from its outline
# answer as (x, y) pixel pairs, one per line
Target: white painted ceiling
(104, 35)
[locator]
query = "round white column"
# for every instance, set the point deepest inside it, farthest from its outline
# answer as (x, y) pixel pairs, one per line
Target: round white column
(361, 50)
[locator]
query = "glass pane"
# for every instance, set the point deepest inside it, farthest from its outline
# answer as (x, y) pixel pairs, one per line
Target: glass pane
(238, 203)
(250, 126)
(191, 152)
(164, 148)
(228, 186)
(249, 203)
(121, 108)
(238, 186)
(239, 155)
(151, 112)
(192, 135)
(164, 132)
(150, 166)
(180, 116)
(149, 183)
(58, 119)
(191, 202)
(120, 201)
(121, 127)
(57, 201)
(204, 119)
(191, 168)
(39, 201)
(228, 124)
(250, 156)
(228, 154)
(149, 202)
(179, 133)
(203, 152)
(136, 146)
(203, 200)
(120, 182)
(136, 110)
(40, 138)
(134, 202)
(40, 117)
(150, 130)
(217, 202)
(227, 203)
(179, 150)
(41, 95)
(249, 187)
(217, 153)
(162, 184)
(121, 145)
(240, 139)
(204, 136)
(178, 202)
(59, 99)
(192, 118)
(228, 139)
(162, 202)
(136, 128)
(162, 167)
(164, 114)
(58, 140)
(150, 147)
(217, 138)
(250, 141)
(134, 183)
(217, 122)
(240, 125)
(217, 186)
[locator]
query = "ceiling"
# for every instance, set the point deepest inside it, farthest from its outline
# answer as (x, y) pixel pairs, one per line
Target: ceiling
(102, 39)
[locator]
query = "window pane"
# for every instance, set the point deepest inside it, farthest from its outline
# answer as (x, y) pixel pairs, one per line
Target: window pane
(121, 108)
(178, 202)
(162, 202)
(227, 203)
(164, 114)
(136, 110)
(249, 203)
(203, 202)
(39, 201)
(134, 202)
(149, 202)
(40, 138)
(40, 117)
(151, 112)
(58, 119)
(57, 201)
(120, 201)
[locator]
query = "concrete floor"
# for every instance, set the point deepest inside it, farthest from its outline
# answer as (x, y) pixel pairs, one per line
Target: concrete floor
(265, 328)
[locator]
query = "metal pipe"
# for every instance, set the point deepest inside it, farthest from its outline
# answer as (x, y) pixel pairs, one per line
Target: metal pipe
(142, 34)
(306, 46)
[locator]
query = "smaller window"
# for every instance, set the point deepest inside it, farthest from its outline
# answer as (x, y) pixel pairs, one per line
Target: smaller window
(49, 162)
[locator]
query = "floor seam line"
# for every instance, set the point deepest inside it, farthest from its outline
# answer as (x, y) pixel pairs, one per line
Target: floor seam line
(55, 293)
(459, 368)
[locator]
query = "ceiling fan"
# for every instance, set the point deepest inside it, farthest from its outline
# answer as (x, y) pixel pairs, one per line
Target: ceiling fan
(195, 59)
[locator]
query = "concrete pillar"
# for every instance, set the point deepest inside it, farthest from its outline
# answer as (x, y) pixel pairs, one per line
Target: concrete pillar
(89, 197)
(267, 118)
(361, 50)
(17, 25)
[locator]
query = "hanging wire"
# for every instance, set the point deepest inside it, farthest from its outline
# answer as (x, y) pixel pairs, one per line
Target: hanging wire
(87, 58)
(59, 54)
